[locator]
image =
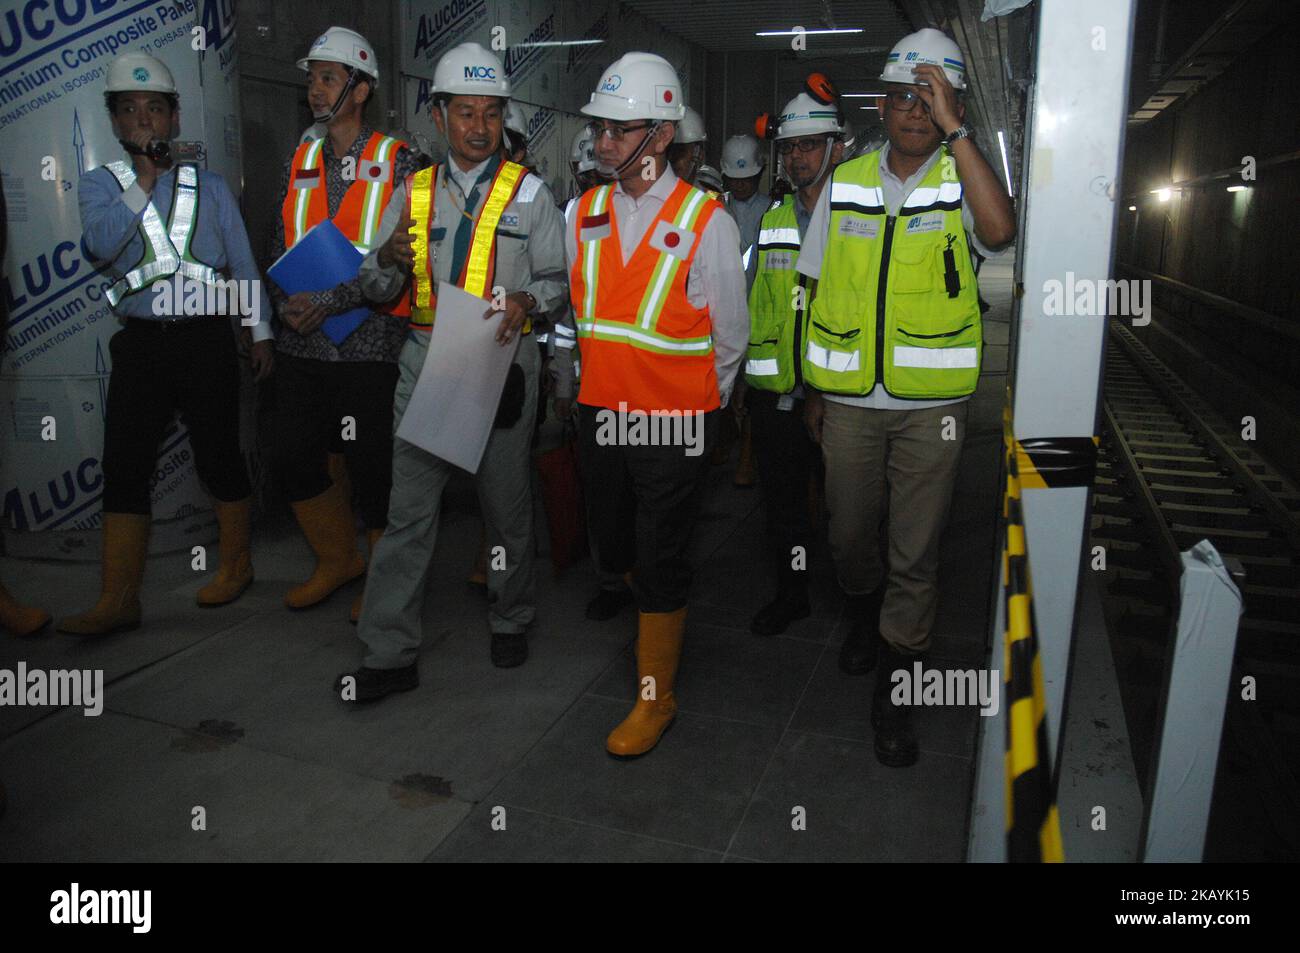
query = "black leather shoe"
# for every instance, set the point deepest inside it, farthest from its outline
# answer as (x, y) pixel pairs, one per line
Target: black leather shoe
(775, 617)
(372, 684)
(509, 649)
(862, 645)
(608, 603)
(895, 742)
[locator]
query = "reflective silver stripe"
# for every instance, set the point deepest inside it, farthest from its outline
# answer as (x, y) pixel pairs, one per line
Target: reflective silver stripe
(837, 361)
(187, 193)
(764, 368)
(744, 259)
(372, 208)
(927, 195)
(618, 329)
(303, 198)
(779, 236)
(857, 194)
(565, 337)
(167, 249)
(934, 358)
(542, 338)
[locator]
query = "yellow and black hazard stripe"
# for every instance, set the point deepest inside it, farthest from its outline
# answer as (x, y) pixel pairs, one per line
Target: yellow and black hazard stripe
(1033, 823)
(1052, 462)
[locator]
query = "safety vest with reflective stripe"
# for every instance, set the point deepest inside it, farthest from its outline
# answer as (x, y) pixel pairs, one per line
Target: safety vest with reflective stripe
(641, 340)
(896, 303)
(306, 203)
(480, 264)
(775, 325)
(166, 249)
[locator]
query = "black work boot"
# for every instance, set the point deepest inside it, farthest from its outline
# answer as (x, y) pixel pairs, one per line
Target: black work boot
(862, 644)
(790, 604)
(608, 603)
(372, 684)
(509, 649)
(895, 742)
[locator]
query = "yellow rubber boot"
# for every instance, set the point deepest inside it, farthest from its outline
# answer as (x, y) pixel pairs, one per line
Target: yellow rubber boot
(126, 542)
(658, 649)
(235, 573)
(326, 521)
(18, 618)
(372, 538)
(745, 467)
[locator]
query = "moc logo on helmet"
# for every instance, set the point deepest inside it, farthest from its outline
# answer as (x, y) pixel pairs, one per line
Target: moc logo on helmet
(480, 72)
(612, 83)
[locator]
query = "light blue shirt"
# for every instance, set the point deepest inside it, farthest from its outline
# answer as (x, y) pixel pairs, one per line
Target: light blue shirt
(110, 223)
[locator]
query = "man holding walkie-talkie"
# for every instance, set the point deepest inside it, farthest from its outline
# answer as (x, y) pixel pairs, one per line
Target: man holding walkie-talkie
(165, 228)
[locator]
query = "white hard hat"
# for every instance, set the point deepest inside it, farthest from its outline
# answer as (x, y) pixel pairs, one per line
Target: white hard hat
(139, 73)
(690, 129)
(638, 86)
(582, 153)
(742, 157)
(341, 45)
(804, 116)
(470, 70)
(709, 178)
(515, 120)
(925, 46)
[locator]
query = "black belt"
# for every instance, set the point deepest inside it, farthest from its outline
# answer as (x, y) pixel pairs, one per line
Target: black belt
(174, 324)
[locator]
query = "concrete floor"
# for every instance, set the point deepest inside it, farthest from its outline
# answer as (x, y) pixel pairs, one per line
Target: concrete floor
(231, 710)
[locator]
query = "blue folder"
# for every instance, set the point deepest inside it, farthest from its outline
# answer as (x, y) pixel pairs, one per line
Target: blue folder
(322, 259)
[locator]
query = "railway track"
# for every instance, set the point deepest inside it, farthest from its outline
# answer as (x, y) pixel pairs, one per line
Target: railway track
(1171, 472)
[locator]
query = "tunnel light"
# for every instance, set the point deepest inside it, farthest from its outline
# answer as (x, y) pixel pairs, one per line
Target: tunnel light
(1006, 168)
(862, 95)
(1162, 194)
(562, 43)
(855, 29)
(1132, 208)
(1237, 188)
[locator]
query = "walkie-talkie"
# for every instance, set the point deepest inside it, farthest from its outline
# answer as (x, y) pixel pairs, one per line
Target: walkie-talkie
(950, 279)
(159, 150)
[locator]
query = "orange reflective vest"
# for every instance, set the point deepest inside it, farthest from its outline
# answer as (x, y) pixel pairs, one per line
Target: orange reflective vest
(479, 268)
(307, 204)
(643, 343)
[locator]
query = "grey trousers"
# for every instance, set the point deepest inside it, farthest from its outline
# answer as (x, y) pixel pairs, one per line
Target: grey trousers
(894, 465)
(399, 567)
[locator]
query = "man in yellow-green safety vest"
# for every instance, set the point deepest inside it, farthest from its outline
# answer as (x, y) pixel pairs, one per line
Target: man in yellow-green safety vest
(809, 146)
(893, 352)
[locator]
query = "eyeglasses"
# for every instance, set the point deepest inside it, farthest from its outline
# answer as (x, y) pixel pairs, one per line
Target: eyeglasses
(787, 146)
(904, 99)
(615, 133)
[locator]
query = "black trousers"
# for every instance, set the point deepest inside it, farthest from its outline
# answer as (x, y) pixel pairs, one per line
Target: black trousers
(158, 368)
(787, 458)
(312, 398)
(643, 502)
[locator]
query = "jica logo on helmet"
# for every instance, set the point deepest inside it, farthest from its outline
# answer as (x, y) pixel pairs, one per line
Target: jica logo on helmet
(140, 74)
(612, 83)
(480, 72)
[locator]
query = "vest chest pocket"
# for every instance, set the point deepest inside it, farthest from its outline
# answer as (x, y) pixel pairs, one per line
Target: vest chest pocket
(922, 308)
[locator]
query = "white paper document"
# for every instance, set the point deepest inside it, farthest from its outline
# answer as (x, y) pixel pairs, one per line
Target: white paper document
(454, 403)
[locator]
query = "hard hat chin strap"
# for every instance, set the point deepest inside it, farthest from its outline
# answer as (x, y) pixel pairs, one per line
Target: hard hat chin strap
(338, 103)
(650, 133)
(826, 162)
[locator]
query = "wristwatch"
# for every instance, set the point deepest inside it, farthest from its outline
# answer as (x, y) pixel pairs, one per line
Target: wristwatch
(963, 131)
(532, 300)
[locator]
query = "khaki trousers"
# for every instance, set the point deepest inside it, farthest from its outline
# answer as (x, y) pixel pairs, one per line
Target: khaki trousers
(892, 466)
